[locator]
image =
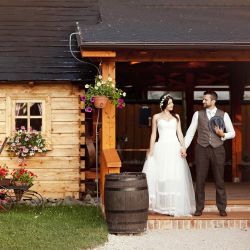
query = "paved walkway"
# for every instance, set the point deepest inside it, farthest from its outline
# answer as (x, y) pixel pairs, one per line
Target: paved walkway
(196, 239)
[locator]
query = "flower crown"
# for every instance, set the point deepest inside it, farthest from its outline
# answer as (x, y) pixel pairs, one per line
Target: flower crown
(163, 99)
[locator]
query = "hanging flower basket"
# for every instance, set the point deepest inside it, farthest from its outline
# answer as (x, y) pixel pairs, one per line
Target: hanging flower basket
(100, 101)
(105, 88)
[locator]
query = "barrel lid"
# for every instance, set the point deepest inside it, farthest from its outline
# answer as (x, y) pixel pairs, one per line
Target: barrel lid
(126, 176)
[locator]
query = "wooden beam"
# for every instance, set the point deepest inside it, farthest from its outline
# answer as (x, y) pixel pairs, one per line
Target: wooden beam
(237, 90)
(108, 113)
(182, 55)
(108, 132)
(112, 159)
(89, 53)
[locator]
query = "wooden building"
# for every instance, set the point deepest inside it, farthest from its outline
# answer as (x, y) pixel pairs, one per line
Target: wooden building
(183, 47)
(179, 46)
(37, 69)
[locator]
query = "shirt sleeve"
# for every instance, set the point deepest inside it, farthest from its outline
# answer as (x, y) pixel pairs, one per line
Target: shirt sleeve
(230, 133)
(191, 130)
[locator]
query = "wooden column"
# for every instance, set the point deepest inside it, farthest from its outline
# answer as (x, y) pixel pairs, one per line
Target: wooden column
(108, 113)
(108, 133)
(237, 89)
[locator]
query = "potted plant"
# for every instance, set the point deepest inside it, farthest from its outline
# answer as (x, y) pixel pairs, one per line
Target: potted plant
(104, 90)
(22, 179)
(4, 171)
(26, 143)
(21, 176)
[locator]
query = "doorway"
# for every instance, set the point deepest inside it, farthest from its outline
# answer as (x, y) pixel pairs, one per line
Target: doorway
(145, 83)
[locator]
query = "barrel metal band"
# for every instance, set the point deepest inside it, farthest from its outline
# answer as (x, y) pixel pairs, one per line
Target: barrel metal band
(126, 211)
(126, 189)
(126, 223)
(126, 179)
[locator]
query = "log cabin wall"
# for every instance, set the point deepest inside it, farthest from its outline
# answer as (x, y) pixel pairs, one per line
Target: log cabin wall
(58, 169)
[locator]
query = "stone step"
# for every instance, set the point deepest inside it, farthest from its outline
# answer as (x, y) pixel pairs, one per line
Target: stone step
(206, 220)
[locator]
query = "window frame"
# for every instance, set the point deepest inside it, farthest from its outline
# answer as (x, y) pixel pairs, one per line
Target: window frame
(46, 114)
(28, 116)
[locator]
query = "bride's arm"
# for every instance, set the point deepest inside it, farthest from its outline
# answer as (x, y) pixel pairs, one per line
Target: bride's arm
(181, 137)
(153, 135)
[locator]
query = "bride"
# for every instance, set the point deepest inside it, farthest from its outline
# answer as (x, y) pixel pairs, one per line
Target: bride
(169, 180)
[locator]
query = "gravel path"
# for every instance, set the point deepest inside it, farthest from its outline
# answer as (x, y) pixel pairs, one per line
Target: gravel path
(200, 239)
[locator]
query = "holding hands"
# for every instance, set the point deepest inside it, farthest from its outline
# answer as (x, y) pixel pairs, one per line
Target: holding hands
(183, 152)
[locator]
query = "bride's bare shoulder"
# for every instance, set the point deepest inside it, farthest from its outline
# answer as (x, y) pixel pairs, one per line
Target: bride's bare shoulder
(156, 116)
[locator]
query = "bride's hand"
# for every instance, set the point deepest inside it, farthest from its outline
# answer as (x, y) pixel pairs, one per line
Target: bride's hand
(183, 152)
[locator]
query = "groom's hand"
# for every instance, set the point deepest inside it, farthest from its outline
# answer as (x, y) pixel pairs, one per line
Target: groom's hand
(219, 131)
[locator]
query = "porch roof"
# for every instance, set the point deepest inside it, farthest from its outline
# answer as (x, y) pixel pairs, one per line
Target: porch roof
(169, 24)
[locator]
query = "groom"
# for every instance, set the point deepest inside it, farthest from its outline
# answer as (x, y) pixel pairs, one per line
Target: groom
(209, 150)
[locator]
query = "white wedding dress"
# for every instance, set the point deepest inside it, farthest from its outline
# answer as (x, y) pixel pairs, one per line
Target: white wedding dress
(169, 180)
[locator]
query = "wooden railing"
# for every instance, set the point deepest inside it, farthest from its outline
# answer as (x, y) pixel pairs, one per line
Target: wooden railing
(110, 163)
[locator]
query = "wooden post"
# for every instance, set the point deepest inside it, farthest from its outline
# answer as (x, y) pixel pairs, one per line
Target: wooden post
(237, 89)
(108, 127)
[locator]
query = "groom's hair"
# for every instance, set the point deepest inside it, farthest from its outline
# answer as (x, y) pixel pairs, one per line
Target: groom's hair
(212, 93)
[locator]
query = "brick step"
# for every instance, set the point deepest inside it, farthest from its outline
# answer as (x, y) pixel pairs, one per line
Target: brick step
(233, 206)
(207, 220)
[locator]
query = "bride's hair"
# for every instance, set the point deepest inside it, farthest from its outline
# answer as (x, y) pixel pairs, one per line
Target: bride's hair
(164, 103)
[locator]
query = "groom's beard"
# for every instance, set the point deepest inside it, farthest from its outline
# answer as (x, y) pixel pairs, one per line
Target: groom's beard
(207, 105)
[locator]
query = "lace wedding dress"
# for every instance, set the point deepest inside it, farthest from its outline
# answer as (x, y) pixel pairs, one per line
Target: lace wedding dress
(169, 180)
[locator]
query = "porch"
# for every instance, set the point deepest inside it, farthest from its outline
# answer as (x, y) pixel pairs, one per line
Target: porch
(238, 210)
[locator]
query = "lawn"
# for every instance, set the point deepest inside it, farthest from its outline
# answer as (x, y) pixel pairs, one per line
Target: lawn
(61, 227)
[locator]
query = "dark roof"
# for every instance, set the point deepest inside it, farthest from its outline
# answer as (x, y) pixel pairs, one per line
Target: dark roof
(169, 24)
(34, 39)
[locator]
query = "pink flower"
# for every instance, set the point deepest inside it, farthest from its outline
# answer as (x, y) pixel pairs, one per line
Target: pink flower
(83, 98)
(121, 101)
(88, 109)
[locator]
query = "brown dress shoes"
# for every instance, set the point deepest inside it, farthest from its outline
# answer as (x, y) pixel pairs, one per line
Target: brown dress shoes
(198, 213)
(223, 213)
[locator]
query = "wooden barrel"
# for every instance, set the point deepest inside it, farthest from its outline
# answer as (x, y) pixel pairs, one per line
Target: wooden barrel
(126, 202)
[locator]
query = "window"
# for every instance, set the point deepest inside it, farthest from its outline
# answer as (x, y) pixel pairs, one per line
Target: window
(222, 92)
(29, 114)
(246, 96)
(156, 94)
(32, 113)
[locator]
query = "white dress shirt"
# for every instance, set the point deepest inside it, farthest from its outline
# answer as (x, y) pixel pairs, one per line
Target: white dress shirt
(230, 133)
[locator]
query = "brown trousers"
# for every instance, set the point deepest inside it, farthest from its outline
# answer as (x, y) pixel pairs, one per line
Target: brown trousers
(204, 156)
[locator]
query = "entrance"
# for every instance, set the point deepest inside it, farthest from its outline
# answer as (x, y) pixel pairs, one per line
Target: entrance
(145, 83)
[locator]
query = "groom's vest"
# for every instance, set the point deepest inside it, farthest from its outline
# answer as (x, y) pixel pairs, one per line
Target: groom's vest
(205, 136)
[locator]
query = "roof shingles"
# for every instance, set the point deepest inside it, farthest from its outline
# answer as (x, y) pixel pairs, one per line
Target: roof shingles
(34, 39)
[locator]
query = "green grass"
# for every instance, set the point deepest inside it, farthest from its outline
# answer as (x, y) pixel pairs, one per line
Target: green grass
(61, 227)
